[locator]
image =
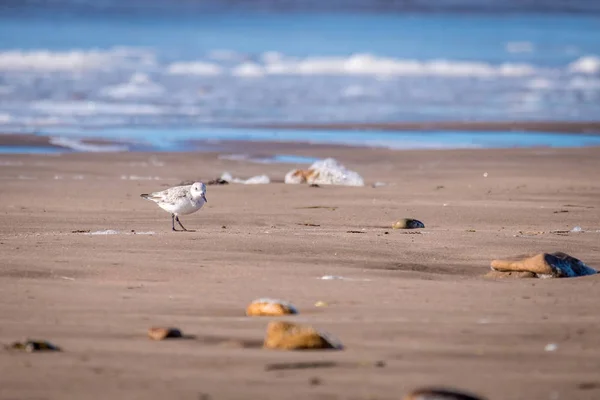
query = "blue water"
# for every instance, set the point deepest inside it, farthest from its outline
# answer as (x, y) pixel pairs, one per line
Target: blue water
(192, 65)
(217, 138)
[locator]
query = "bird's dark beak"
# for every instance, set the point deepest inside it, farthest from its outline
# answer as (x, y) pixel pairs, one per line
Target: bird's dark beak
(204, 197)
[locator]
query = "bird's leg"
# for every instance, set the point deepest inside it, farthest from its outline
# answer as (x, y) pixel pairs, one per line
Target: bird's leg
(173, 222)
(179, 222)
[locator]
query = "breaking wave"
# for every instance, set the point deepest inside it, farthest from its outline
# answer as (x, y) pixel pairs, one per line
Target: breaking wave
(132, 86)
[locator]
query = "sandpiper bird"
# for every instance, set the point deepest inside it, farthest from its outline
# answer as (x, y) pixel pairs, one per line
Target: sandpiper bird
(180, 200)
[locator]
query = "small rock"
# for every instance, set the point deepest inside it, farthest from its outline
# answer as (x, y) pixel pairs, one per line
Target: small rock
(320, 304)
(159, 333)
(31, 346)
(545, 265)
(440, 394)
(408, 223)
(289, 336)
(270, 307)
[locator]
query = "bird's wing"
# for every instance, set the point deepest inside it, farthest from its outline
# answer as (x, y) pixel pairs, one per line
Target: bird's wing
(171, 195)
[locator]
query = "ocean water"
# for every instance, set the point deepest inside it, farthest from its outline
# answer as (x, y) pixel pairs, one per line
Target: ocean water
(161, 65)
(219, 139)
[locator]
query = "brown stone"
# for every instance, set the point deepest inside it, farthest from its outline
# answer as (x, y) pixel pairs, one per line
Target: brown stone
(289, 336)
(556, 265)
(160, 333)
(270, 307)
(440, 394)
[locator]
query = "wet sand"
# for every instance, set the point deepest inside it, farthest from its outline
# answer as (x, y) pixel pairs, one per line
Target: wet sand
(591, 127)
(414, 310)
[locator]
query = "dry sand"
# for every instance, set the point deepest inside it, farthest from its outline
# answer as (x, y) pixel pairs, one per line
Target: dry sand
(416, 302)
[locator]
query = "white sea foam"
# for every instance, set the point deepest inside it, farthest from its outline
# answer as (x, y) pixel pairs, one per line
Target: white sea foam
(248, 70)
(125, 86)
(583, 83)
(368, 64)
(271, 57)
(82, 108)
(74, 60)
(540, 83)
(139, 85)
(355, 91)
(586, 65)
(78, 145)
(194, 68)
(255, 180)
(43, 121)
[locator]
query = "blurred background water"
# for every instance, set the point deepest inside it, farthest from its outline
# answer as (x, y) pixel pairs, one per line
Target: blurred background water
(166, 64)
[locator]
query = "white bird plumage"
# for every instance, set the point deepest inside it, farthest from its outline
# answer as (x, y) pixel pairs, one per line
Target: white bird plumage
(179, 200)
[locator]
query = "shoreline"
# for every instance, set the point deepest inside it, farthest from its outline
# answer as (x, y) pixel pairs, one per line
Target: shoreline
(573, 127)
(397, 136)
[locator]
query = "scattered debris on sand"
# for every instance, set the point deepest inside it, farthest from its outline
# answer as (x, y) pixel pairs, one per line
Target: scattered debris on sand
(325, 172)
(255, 180)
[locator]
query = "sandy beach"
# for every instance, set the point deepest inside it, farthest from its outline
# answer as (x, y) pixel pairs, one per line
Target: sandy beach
(412, 310)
